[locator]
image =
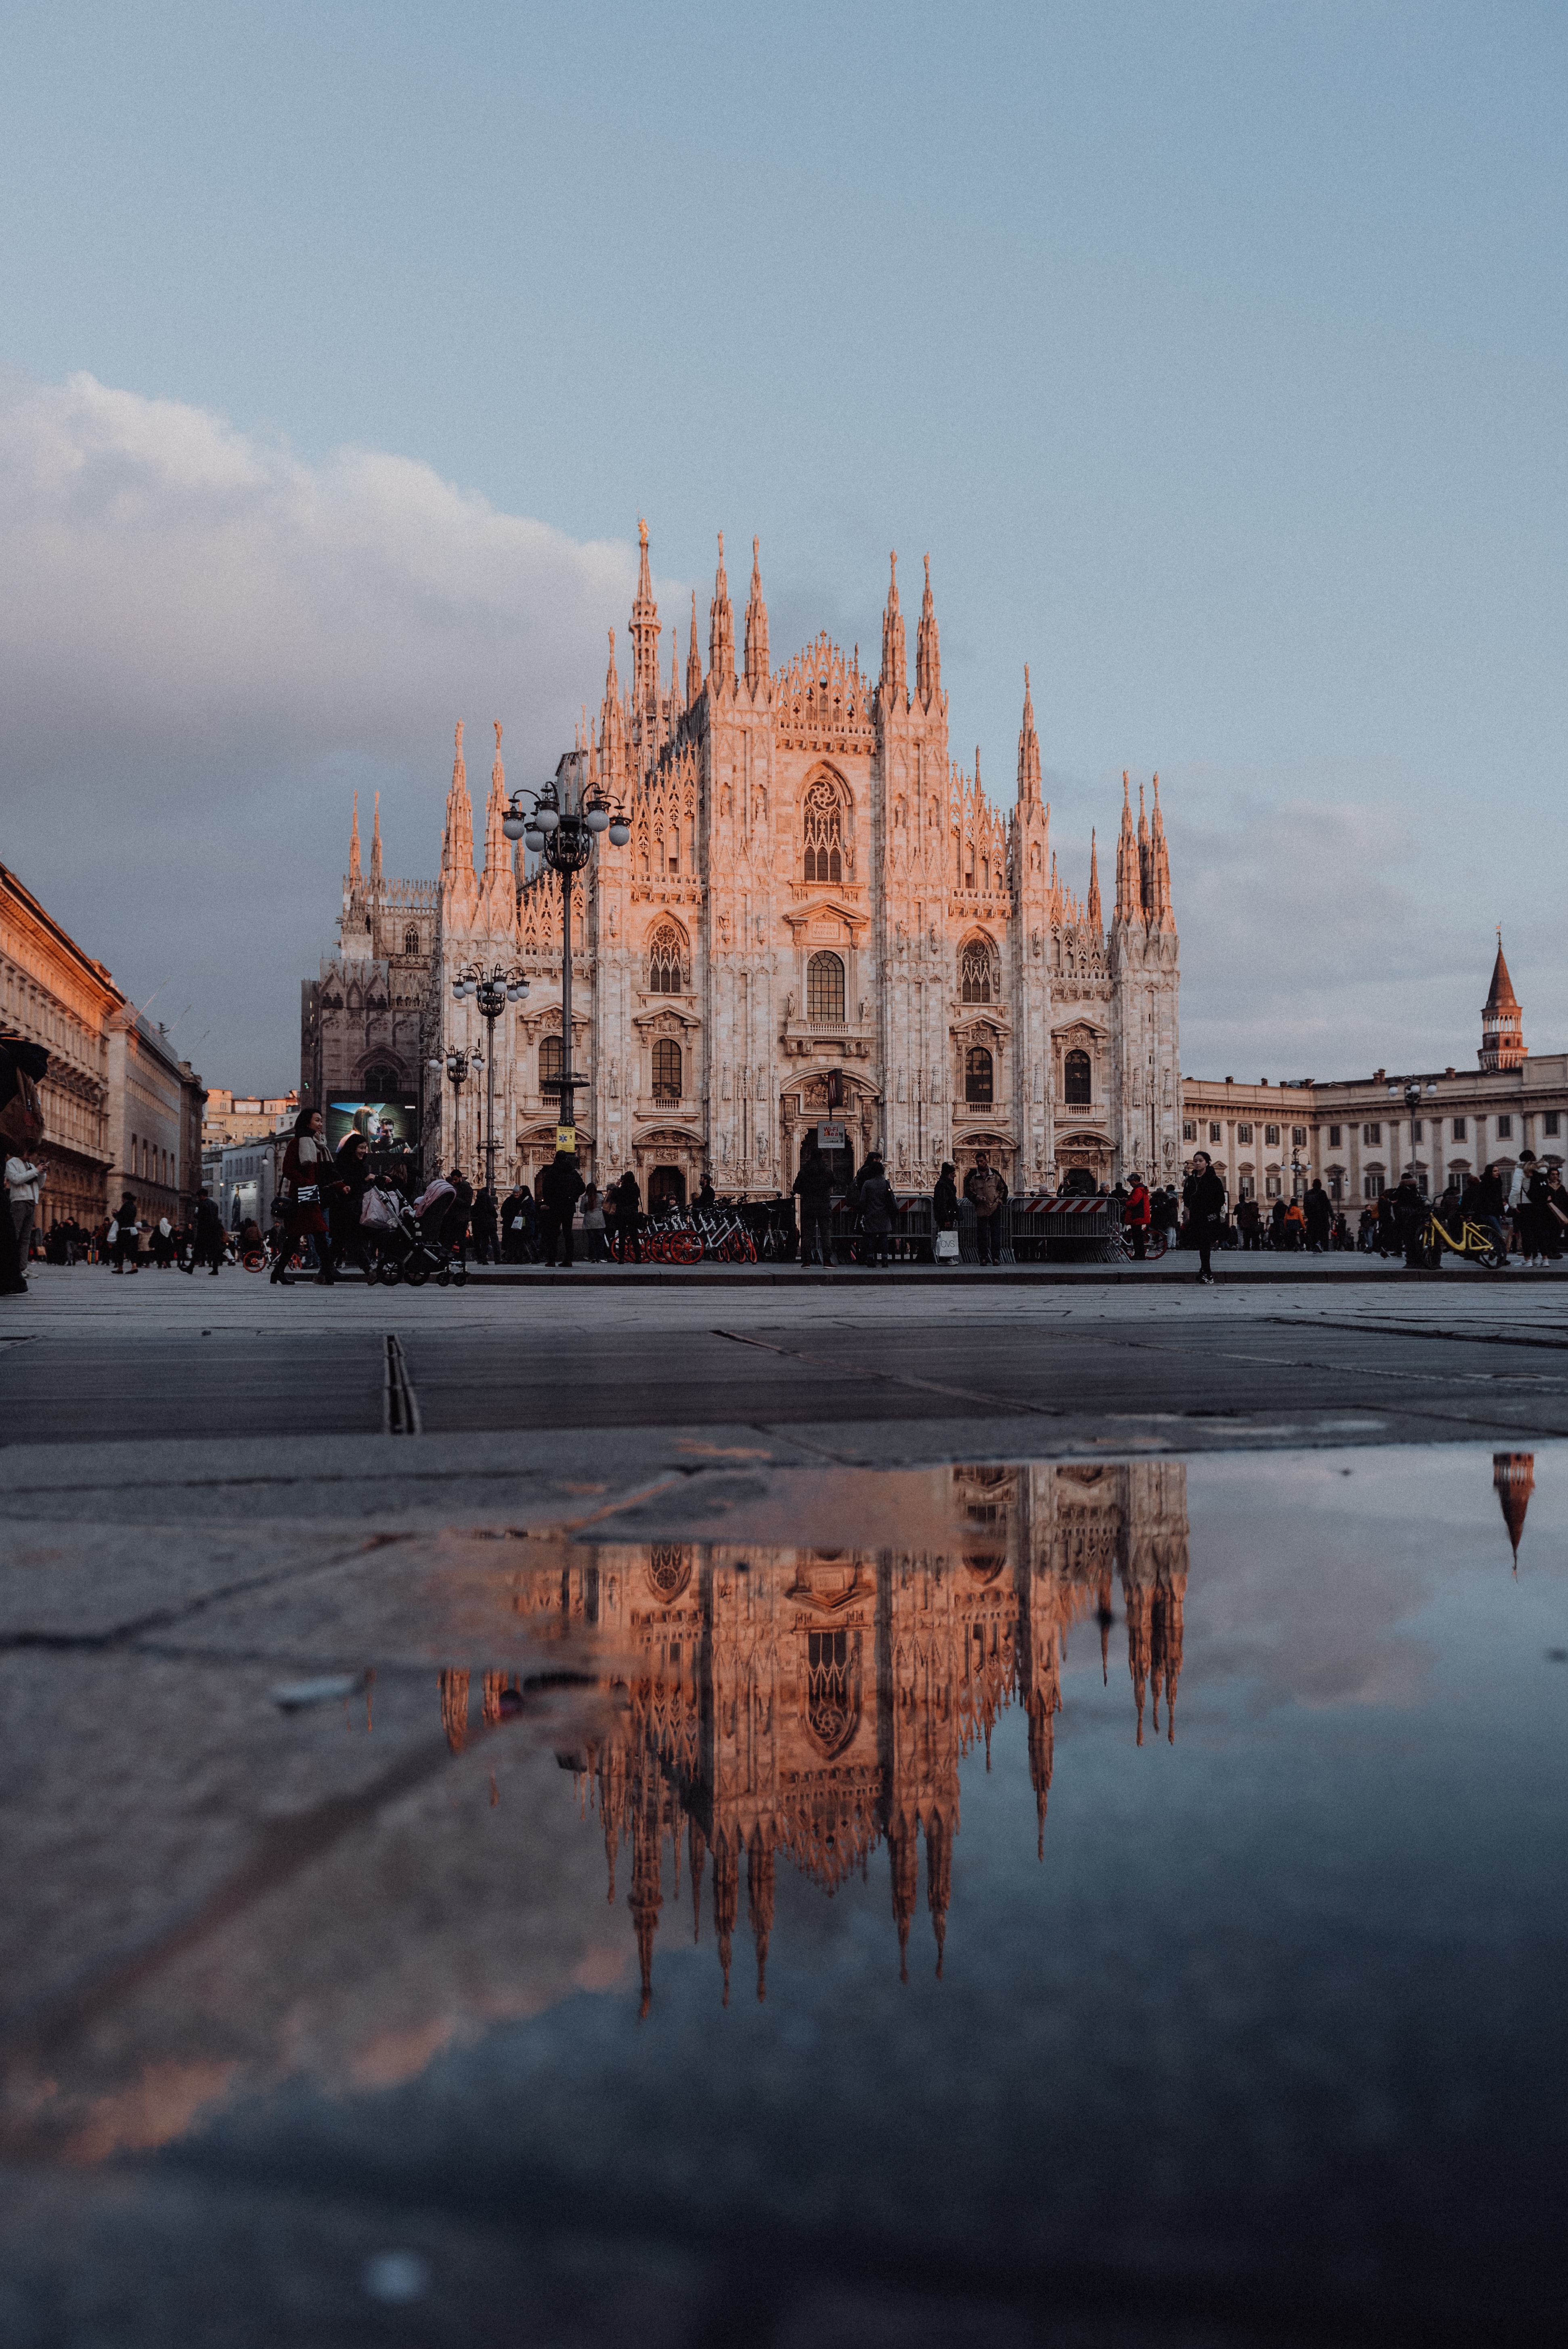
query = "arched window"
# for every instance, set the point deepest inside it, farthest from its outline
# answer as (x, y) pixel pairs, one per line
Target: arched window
(977, 1074)
(666, 1069)
(832, 1708)
(664, 961)
(824, 987)
(824, 835)
(380, 1082)
(1077, 1080)
(669, 1571)
(410, 940)
(974, 972)
(551, 1060)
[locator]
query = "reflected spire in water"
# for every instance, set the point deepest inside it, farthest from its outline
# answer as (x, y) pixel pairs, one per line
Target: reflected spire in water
(1513, 1479)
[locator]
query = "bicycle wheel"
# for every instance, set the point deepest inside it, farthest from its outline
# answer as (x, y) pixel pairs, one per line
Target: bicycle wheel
(686, 1247)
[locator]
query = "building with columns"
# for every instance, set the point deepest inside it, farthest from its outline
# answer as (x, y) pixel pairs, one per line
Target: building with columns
(819, 920)
(1358, 1135)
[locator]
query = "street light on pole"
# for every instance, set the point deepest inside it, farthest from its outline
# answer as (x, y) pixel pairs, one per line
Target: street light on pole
(456, 1065)
(561, 824)
(492, 990)
(1412, 1091)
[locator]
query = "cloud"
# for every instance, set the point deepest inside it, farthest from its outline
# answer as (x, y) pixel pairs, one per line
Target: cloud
(208, 640)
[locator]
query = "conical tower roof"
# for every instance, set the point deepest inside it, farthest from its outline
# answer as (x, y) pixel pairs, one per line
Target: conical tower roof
(1500, 995)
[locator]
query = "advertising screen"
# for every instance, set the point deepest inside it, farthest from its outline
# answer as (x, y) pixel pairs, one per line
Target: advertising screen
(390, 1127)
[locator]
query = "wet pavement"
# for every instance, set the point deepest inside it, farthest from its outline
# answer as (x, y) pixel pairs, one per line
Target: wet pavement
(688, 1888)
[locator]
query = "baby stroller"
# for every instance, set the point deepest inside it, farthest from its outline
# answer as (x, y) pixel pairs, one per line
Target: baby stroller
(408, 1243)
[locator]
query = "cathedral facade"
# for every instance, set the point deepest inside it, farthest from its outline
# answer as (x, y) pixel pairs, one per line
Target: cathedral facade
(819, 923)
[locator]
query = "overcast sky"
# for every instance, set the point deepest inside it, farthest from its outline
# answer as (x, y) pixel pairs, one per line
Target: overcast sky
(1216, 352)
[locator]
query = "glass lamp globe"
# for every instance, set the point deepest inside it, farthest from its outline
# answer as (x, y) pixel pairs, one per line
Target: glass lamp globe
(598, 818)
(514, 826)
(533, 839)
(547, 818)
(620, 831)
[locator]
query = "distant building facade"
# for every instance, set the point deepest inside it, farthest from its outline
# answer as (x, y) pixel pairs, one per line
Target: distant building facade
(1358, 1134)
(241, 1117)
(819, 921)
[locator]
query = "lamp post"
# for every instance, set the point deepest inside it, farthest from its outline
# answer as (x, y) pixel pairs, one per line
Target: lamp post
(492, 991)
(457, 1066)
(1412, 1091)
(561, 824)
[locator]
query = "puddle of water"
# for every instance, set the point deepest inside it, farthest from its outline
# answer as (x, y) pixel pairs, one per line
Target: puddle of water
(1145, 1866)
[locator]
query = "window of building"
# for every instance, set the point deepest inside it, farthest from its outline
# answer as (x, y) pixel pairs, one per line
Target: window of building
(1189, 1131)
(551, 1060)
(1271, 1186)
(664, 961)
(1077, 1080)
(1247, 1187)
(824, 835)
(1298, 1135)
(1271, 1137)
(1243, 1134)
(1505, 1129)
(1333, 1137)
(381, 1081)
(977, 1074)
(1421, 1181)
(825, 987)
(1216, 1133)
(1460, 1133)
(666, 1069)
(1371, 1186)
(1417, 1129)
(1372, 1134)
(975, 973)
(410, 940)
(1549, 1120)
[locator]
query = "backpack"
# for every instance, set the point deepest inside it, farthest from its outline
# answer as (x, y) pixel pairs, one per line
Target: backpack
(22, 1119)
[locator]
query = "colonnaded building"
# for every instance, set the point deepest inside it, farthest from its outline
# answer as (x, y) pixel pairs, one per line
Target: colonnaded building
(819, 920)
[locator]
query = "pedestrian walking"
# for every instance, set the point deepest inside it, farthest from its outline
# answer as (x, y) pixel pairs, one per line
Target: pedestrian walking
(1410, 1221)
(1139, 1218)
(307, 1166)
(1554, 1213)
(485, 1225)
(516, 1212)
(344, 1199)
(813, 1187)
(559, 1188)
(878, 1208)
(1203, 1195)
(987, 1193)
(125, 1236)
(1319, 1213)
(944, 1214)
(208, 1239)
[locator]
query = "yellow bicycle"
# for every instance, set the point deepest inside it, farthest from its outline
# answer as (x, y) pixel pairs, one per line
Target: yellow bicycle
(1472, 1240)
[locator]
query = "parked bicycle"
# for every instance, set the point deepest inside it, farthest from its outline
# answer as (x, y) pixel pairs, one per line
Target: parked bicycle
(1473, 1241)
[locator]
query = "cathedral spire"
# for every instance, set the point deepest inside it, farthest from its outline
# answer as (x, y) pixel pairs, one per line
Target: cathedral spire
(355, 872)
(458, 840)
(720, 631)
(756, 625)
(612, 726)
(895, 678)
(1028, 754)
(644, 634)
(1096, 918)
(1160, 916)
(927, 647)
(677, 702)
(1129, 886)
(693, 660)
(375, 848)
(497, 856)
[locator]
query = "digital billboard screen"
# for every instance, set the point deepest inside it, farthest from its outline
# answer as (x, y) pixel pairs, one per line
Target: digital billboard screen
(391, 1126)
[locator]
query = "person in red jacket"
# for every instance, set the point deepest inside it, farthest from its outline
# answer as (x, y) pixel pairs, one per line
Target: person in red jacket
(1137, 1215)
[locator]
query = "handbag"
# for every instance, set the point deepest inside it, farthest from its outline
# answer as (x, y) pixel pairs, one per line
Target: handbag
(946, 1248)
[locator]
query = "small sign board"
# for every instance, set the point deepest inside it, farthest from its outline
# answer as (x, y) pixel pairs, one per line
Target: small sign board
(831, 1137)
(566, 1137)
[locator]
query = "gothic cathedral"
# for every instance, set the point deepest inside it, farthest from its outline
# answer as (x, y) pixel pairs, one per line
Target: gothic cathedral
(819, 920)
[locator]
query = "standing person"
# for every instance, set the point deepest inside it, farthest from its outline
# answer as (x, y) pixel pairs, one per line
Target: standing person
(705, 1200)
(207, 1241)
(25, 1178)
(559, 1188)
(1410, 1218)
(126, 1235)
(1204, 1197)
(1319, 1217)
(813, 1187)
(592, 1214)
(345, 1198)
(1554, 1212)
(460, 1216)
(1484, 1202)
(629, 1217)
(485, 1222)
(306, 1164)
(943, 1206)
(878, 1208)
(23, 1067)
(1138, 1216)
(513, 1225)
(987, 1193)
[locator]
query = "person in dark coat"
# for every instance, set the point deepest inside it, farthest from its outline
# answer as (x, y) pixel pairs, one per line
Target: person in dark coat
(1319, 1217)
(559, 1188)
(516, 1217)
(1410, 1221)
(628, 1194)
(485, 1232)
(459, 1215)
(18, 1058)
(345, 1198)
(307, 1169)
(813, 1187)
(987, 1194)
(1204, 1198)
(878, 1208)
(208, 1239)
(126, 1235)
(943, 1208)
(706, 1199)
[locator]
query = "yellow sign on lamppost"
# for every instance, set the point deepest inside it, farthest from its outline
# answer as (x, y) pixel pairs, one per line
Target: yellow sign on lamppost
(566, 1137)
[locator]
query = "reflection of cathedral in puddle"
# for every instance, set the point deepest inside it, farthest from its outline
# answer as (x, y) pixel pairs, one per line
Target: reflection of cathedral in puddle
(812, 1702)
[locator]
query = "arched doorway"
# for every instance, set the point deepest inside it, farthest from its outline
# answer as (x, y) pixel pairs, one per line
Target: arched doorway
(666, 1188)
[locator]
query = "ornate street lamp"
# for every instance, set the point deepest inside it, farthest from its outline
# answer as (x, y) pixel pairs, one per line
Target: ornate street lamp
(457, 1066)
(561, 824)
(492, 990)
(1411, 1089)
